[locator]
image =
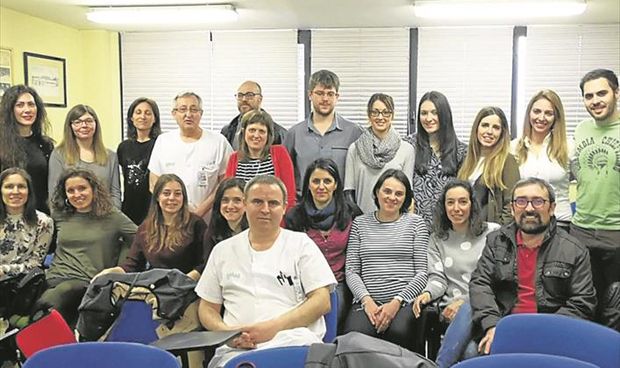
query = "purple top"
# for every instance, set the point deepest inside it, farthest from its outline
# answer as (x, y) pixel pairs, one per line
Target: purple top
(334, 248)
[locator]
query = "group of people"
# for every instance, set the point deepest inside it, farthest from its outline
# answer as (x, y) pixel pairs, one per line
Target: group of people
(268, 229)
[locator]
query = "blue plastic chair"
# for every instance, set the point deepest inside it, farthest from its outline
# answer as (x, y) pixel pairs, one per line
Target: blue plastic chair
(558, 335)
(285, 357)
(331, 319)
(134, 324)
(102, 355)
(523, 361)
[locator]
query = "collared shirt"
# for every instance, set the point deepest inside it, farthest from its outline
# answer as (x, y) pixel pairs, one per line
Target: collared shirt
(526, 276)
(305, 144)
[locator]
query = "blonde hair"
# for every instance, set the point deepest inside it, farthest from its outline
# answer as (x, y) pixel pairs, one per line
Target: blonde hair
(69, 148)
(493, 166)
(558, 145)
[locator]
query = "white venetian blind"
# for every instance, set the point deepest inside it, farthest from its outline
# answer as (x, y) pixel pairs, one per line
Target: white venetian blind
(367, 61)
(558, 57)
(267, 57)
(471, 66)
(161, 65)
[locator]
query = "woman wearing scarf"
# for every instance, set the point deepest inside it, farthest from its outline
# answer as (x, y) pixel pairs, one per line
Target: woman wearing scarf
(325, 215)
(378, 148)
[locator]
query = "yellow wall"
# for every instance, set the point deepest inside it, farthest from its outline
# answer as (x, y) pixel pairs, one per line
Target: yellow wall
(92, 64)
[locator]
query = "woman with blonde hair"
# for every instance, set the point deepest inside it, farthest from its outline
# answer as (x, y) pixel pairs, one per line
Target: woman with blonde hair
(82, 147)
(170, 236)
(543, 150)
(489, 166)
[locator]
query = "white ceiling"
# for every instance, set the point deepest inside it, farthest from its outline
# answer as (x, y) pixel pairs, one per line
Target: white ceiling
(301, 14)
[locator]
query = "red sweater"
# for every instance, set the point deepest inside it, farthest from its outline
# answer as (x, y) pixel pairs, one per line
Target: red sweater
(282, 166)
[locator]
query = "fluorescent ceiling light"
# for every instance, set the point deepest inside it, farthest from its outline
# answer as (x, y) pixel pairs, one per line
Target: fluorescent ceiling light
(499, 9)
(164, 14)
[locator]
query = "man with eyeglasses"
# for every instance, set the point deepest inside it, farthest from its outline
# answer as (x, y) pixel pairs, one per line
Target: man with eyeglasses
(596, 165)
(249, 97)
(197, 156)
(529, 266)
(273, 283)
(325, 133)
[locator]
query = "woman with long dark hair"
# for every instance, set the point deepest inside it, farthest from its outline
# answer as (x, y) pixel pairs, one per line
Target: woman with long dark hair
(459, 235)
(326, 216)
(489, 166)
(82, 147)
(92, 235)
(25, 233)
(23, 128)
(386, 266)
(134, 153)
(170, 236)
(438, 152)
(228, 217)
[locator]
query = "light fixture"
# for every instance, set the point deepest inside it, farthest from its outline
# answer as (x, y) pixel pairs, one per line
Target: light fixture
(162, 14)
(498, 9)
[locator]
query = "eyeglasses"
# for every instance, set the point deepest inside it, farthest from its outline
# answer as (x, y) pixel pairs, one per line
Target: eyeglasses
(522, 202)
(321, 94)
(79, 122)
(183, 110)
(247, 95)
(384, 113)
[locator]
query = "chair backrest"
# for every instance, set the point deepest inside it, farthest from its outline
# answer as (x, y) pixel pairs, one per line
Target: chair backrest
(558, 335)
(134, 324)
(285, 357)
(48, 331)
(102, 355)
(523, 361)
(331, 318)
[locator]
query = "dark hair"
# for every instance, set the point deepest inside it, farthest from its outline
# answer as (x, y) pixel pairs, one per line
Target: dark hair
(448, 141)
(102, 202)
(387, 100)
(30, 209)
(13, 152)
(535, 181)
(325, 77)
(441, 222)
(400, 176)
(218, 227)
(611, 77)
(132, 133)
(255, 117)
(297, 218)
(159, 235)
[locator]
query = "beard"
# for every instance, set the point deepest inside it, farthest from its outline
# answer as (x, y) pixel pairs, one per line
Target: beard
(532, 228)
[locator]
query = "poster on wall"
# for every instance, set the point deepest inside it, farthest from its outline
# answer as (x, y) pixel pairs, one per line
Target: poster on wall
(6, 69)
(47, 74)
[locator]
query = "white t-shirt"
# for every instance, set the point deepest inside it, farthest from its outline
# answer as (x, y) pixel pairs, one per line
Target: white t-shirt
(198, 164)
(257, 286)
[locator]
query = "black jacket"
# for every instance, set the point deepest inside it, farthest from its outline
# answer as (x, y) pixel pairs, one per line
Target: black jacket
(173, 290)
(563, 277)
(230, 129)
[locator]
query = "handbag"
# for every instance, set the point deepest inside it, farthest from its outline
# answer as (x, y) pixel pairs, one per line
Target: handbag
(19, 293)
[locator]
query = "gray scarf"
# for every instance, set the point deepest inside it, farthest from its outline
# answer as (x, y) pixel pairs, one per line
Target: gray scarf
(374, 152)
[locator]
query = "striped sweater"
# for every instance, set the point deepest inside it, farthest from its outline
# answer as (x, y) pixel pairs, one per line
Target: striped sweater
(387, 259)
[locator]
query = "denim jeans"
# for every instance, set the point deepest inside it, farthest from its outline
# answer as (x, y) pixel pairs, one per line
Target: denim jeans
(458, 341)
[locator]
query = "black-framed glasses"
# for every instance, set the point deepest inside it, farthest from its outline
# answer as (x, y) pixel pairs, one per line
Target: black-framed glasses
(522, 202)
(384, 113)
(247, 95)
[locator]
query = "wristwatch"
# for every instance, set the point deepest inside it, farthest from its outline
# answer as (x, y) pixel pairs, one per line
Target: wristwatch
(401, 301)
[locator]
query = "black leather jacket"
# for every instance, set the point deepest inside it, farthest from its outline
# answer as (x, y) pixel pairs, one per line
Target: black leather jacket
(563, 277)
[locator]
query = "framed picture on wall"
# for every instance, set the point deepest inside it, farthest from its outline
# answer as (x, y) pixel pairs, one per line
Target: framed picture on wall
(47, 74)
(6, 69)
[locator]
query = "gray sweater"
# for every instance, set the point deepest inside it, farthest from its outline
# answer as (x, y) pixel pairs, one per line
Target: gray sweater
(451, 262)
